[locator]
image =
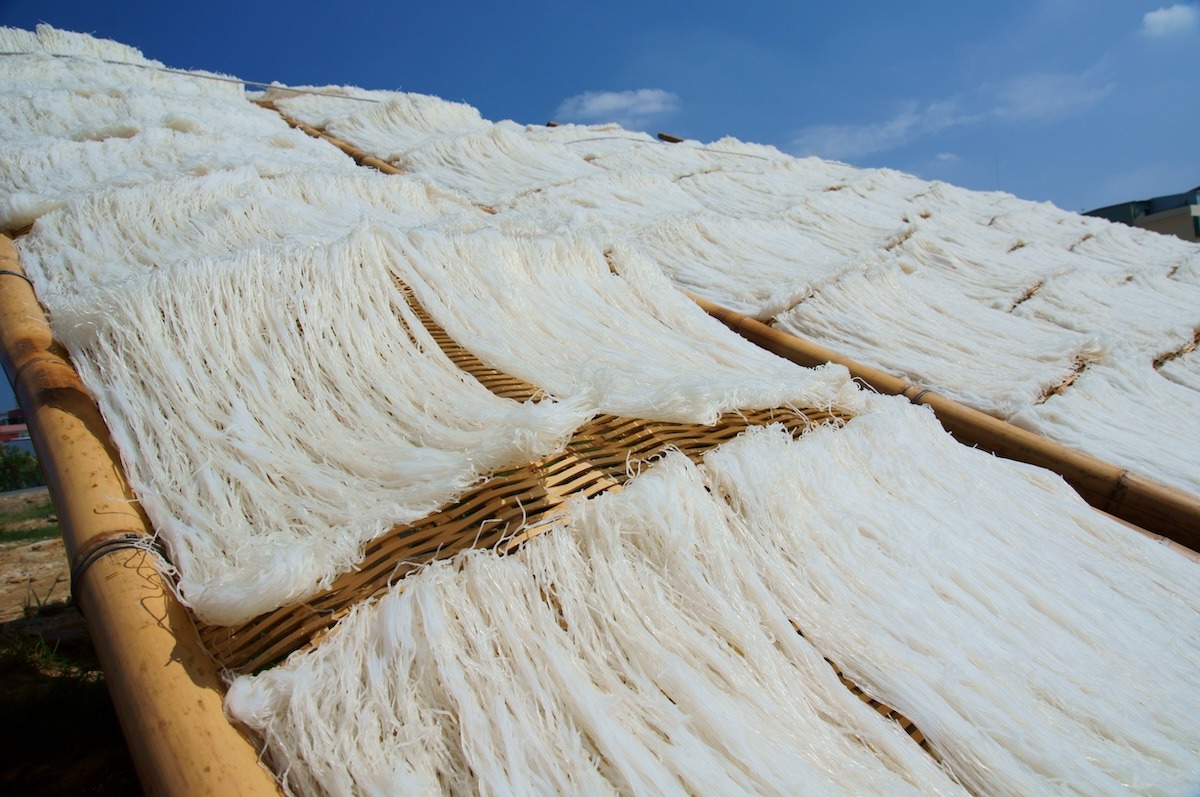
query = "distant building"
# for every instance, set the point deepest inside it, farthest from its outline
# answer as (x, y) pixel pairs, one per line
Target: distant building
(1177, 214)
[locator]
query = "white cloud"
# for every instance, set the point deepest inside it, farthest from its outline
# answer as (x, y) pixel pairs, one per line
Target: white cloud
(1171, 21)
(627, 108)
(947, 157)
(1034, 97)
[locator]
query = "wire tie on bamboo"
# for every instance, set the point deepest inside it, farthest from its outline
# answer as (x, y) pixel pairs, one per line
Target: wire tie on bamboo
(920, 395)
(17, 274)
(104, 544)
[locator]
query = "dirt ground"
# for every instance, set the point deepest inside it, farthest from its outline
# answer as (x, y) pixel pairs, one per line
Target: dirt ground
(58, 732)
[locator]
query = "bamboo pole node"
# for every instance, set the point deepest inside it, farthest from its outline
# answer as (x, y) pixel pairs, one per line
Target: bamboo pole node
(12, 273)
(104, 544)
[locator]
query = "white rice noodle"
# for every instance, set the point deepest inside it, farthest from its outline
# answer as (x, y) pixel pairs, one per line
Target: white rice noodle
(1127, 413)
(277, 410)
(1133, 248)
(852, 224)
(1183, 370)
(123, 113)
(980, 262)
(62, 59)
(593, 142)
(616, 202)
(760, 268)
(549, 311)
(494, 166)
(392, 129)
(759, 190)
(112, 234)
(1130, 311)
(925, 330)
(1040, 646)
(35, 178)
(616, 654)
(1044, 223)
(320, 106)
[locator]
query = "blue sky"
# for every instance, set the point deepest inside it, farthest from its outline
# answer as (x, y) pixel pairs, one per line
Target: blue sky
(1080, 103)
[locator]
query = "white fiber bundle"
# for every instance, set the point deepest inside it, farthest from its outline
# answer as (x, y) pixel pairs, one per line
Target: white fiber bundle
(760, 268)
(404, 122)
(757, 189)
(123, 113)
(321, 105)
(1044, 223)
(616, 202)
(1138, 249)
(851, 223)
(615, 654)
(38, 177)
(1040, 646)
(494, 166)
(54, 41)
(111, 234)
(922, 328)
(1125, 412)
(1136, 312)
(62, 59)
(549, 311)
(591, 142)
(987, 265)
(277, 410)
(1184, 369)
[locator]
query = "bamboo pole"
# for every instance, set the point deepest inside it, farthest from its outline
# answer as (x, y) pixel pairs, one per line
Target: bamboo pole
(164, 686)
(1143, 502)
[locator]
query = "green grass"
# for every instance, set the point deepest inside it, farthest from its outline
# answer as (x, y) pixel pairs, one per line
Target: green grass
(20, 515)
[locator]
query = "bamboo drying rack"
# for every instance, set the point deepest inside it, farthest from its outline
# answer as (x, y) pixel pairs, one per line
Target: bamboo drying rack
(162, 666)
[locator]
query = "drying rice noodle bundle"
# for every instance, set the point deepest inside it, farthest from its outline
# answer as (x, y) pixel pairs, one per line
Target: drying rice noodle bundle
(1125, 412)
(676, 160)
(746, 192)
(93, 116)
(60, 58)
(1132, 248)
(277, 410)
(1038, 644)
(922, 328)
(1045, 223)
(35, 178)
(112, 234)
(1183, 370)
(851, 224)
(404, 122)
(1136, 312)
(760, 268)
(616, 202)
(319, 106)
(985, 265)
(549, 311)
(592, 142)
(494, 166)
(614, 654)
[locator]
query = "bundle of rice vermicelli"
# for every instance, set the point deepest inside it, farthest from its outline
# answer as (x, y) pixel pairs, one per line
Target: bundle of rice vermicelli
(757, 267)
(1125, 412)
(123, 113)
(38, 177)
(548, 310)
(53, 58)
(1183, 369)
(110, 234)
(278, 409)
(614, 654)
(761, 193)
(1039, 646)
(321, 106)
(1136, 312)
(392, 129)
(495, 165)
(616, 202)
(923, 328)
